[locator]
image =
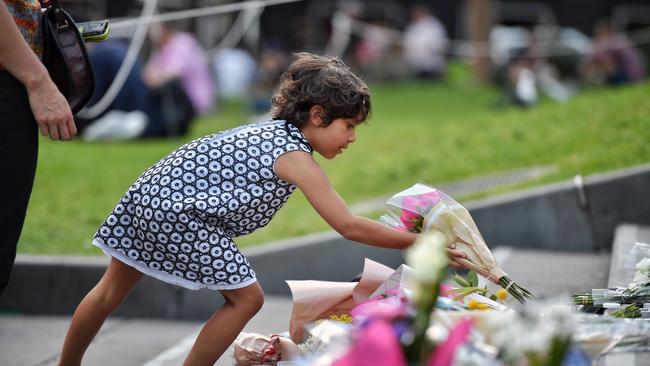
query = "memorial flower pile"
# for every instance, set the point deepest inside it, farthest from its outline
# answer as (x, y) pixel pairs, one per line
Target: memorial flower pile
(414, 316)
(406, 317)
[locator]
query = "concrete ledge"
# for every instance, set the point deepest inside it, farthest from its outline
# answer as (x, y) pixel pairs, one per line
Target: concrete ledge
(548, 218)
(551, 216)
(56, 285)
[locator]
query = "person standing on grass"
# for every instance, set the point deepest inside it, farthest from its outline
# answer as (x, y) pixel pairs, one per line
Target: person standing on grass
(178, 220)
(29, 101)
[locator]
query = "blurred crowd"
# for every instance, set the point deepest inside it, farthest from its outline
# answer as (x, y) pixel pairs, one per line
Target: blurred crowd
(556, 62)
(179, 80)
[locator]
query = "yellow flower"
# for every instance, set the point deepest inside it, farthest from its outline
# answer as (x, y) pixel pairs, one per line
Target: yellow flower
(482, 306)
(472, 304)
(501, 294)
(343, 318)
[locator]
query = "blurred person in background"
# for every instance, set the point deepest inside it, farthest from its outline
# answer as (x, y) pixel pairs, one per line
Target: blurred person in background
(543, 61)
(272, 63)
(234, 70)
(370, 52)
(425, 42)
(133, 112)
(179, 58)
(29, 101)
(614, 60)
(159, 99)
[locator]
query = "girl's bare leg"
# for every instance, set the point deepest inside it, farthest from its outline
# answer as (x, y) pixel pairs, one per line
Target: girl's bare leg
(225, 324)
(101, 301)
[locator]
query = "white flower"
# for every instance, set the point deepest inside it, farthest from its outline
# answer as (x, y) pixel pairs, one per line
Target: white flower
(427, 257)
(642, 271)
(534, 330)
(643, 264)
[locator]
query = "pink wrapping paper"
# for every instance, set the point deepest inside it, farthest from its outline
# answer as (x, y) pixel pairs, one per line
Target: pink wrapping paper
(316, 300)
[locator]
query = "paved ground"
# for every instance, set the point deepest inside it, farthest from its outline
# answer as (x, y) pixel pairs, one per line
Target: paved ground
(36, 340)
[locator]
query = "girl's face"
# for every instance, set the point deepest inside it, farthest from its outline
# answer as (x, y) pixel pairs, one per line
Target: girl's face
(331, 140)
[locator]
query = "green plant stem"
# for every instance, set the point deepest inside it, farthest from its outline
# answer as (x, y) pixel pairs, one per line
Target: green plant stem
(519, 293)
(418, 350)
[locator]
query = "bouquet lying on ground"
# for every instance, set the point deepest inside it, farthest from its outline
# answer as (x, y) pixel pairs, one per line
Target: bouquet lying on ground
(422, 209)
(636, 293)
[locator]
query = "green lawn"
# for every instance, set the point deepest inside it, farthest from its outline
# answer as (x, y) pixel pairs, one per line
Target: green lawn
(418, 132)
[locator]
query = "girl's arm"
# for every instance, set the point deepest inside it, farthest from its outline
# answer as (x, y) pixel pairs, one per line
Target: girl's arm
(49, 106)
(301, 169)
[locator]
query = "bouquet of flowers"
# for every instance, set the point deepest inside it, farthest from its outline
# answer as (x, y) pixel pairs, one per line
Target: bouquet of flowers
(635, 293)
(422, 209)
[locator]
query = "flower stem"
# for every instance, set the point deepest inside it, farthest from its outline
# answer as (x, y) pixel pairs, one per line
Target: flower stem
(418, 350)
(519, 293)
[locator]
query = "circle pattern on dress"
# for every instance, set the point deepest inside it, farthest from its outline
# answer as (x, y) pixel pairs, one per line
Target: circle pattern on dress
(178, 219)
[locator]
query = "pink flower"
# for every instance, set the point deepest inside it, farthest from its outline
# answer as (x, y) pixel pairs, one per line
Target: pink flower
(430, 199)
(411, 220)
(388, 308)
(376, 345)
(444, 353)
(444, 289)
(410, 203)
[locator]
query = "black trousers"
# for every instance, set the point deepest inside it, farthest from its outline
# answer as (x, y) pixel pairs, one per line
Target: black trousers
(18, 154)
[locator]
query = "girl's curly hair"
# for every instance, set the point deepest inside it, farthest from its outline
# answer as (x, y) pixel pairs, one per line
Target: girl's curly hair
(320, 80)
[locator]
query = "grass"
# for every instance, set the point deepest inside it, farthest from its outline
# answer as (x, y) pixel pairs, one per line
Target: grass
(418, 132)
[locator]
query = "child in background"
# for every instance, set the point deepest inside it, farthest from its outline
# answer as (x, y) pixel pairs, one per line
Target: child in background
(178, 220)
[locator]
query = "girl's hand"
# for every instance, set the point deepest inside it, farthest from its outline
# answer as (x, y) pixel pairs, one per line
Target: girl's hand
(453, 254)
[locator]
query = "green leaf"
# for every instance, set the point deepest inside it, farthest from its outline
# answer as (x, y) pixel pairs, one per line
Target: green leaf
(467, 291)
(460, 280)
(472, 278)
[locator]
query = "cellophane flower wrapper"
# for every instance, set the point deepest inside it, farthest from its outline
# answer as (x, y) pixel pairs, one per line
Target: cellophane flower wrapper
(406, 210)
(397, 284)
(601, 335)
(632, 267)
(422, 208)
(638, 261)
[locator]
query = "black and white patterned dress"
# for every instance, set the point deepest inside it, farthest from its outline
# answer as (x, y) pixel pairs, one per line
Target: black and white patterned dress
(177, 221)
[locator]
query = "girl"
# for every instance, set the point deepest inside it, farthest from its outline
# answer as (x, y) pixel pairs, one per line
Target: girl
(178, 220)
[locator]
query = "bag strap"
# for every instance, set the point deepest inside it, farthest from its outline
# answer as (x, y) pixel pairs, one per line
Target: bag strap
(61, 22)
(47, 3)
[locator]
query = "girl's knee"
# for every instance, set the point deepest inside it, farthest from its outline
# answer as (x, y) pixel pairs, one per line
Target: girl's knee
(250, 298)
(254, 300)
(257, 300)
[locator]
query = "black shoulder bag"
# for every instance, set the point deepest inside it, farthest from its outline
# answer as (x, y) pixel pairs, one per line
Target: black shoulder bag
(65, 56)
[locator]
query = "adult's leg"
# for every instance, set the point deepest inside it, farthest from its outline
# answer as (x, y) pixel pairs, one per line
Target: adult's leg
(18, 153)
(101, 301)
(225, 324)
